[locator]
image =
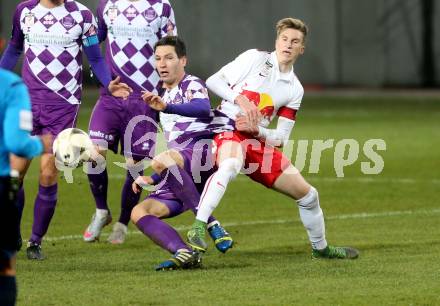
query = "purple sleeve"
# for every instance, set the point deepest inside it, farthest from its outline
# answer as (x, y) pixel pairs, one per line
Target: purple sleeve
(197, 108)
(17, 36)
(10, 57)
(102, 27)
(98, 64)
(15, 47)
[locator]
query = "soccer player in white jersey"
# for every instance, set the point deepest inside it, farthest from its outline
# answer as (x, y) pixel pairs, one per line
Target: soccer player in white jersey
(130, 30)
(256, 87)
(53, 35)
(186, 117)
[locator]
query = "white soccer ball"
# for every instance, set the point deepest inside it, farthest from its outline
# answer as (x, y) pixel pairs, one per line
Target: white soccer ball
(71, 148)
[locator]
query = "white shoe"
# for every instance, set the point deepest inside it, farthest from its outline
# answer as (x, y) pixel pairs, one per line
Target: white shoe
(118, 234)
(100, 219)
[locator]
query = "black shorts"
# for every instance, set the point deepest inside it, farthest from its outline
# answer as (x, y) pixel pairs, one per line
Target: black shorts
(9, 221)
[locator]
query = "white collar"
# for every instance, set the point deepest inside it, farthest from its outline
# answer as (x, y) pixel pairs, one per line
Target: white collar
(288, 77)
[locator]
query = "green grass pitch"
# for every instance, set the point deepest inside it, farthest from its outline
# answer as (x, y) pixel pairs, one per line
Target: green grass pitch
(393, 218)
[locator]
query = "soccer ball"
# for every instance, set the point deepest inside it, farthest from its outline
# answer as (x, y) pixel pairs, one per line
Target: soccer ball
(71, 148)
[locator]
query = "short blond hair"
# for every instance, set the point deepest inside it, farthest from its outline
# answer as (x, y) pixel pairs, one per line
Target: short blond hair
(292, 23)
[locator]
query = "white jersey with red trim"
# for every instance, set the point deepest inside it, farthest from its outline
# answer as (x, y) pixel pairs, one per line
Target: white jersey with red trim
(256, 75)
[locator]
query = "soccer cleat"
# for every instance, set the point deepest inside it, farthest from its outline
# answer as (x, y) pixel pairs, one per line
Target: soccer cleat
(181, 260)
(331, 252)
(33, 251)
(118, 234)
(196, 236)
(99, 219)
(222, 239)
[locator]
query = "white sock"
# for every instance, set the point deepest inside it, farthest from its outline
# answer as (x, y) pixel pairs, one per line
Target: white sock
(313, 219)
(215, 187)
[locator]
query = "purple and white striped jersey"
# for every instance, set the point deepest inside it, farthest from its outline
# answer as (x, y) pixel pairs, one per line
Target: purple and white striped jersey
(179, 129)
(132, 28)
(52, 40)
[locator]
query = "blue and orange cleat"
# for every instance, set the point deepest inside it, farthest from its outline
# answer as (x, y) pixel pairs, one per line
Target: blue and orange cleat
(222, 239)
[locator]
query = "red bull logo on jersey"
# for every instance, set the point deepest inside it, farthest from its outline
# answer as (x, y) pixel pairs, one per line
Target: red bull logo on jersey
(263, 102)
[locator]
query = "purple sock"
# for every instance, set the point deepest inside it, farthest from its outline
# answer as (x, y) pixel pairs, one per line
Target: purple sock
(128, 199)
(98, 184)
(161, 233)
(43, 211)
(186, 192)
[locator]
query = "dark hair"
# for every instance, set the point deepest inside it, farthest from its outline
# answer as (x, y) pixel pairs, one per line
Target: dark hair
(176, 42)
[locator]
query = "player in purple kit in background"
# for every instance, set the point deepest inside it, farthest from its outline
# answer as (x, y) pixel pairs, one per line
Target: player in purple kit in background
(188, 122)
(53, 35)
(130, 30)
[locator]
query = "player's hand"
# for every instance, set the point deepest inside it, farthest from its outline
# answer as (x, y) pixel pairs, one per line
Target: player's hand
(242, 124)
(249, 109)
(118, 89)
(154, 101)
(140, 182)
(47, 141)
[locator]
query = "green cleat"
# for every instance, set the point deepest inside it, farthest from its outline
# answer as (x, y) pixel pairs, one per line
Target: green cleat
(331, 252)
(196, 236)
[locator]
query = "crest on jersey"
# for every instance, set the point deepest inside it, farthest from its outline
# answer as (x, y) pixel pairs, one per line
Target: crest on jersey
(266, 69)
(177, 99)
(29, 20)
(150, 14)
(68, 22)
(112, 13)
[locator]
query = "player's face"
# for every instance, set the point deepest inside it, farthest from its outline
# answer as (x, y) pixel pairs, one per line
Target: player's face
(171, 69)
(289, 45)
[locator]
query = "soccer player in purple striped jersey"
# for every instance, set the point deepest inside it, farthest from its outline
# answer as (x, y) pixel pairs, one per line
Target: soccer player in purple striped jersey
(130, 30)
(53, 35)
(189, 125)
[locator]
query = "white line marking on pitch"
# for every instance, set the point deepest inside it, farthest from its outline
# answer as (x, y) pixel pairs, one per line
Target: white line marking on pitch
(337, 217)
(367, 179)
